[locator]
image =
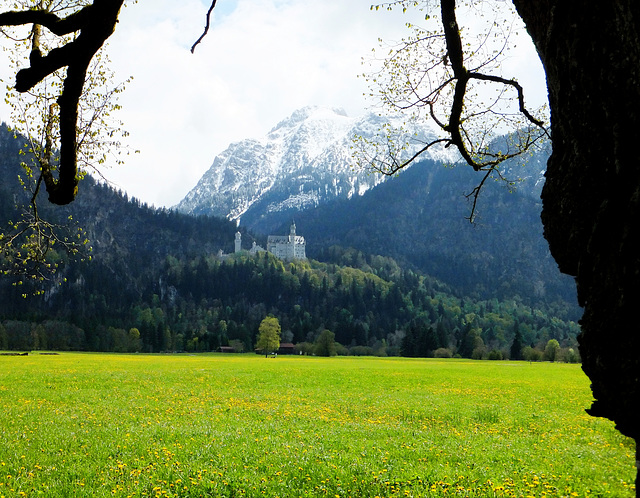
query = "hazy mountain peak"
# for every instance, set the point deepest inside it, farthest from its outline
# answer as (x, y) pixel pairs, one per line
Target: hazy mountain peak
(310, 114)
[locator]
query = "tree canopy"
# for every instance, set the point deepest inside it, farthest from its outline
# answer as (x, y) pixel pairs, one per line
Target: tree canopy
(269, 335)
(326, 344)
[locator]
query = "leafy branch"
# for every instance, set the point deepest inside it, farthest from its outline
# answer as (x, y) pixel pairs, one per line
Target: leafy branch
(91, 24)
(66, 78)
(33, 249)
(434, 75)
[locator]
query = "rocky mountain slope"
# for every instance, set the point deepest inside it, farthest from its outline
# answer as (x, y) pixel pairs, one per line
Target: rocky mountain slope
(305, 161)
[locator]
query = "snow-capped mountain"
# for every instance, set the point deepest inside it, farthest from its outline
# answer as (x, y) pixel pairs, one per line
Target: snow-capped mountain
(305, 160)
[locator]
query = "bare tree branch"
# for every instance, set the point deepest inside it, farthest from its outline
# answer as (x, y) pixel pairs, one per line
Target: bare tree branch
(519, 89)
(475, 193)
(206, 28)
(397, 166)
(429, 72)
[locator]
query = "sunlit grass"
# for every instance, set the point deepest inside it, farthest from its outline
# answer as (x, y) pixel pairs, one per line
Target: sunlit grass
(225, 425)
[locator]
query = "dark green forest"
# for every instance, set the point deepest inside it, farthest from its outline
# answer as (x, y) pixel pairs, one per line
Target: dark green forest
(153, 282)
(420, 219)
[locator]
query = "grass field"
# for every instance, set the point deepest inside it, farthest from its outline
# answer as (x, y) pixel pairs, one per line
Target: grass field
(214, 425)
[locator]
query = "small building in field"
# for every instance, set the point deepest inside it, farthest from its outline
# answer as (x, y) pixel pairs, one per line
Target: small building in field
(287, 348)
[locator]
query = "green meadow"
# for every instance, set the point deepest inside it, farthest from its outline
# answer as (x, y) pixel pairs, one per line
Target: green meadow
(226, 425)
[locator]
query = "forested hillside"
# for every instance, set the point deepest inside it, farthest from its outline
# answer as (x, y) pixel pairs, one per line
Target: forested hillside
(201, 303)
(154, 283)
(420, 220)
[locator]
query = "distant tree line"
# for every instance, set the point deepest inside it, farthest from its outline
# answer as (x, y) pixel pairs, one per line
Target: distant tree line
(202, 303)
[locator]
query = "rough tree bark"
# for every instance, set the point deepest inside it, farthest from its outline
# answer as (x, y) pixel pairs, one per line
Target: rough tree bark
(591, 198)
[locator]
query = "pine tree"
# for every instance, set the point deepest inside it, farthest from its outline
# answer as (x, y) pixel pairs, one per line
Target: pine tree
(516, 345)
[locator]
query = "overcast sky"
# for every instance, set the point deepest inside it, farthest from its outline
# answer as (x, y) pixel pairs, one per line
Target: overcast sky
(262, 60)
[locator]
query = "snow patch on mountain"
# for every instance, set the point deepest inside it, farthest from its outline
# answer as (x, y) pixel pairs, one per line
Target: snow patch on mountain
(305, 160)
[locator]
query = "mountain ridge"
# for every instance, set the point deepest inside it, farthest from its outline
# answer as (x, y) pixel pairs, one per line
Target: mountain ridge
(418, 217)
(303, 161)
(307, 160)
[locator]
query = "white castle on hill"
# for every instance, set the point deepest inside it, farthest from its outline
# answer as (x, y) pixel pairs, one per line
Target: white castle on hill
(286, 247)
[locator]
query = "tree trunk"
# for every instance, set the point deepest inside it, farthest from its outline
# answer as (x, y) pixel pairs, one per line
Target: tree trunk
(591, 198)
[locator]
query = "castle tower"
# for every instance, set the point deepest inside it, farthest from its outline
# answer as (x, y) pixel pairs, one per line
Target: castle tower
(238, 242)
(287, 247)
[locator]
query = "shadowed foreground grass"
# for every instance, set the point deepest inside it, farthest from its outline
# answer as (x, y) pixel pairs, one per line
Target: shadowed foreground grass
(226, 425)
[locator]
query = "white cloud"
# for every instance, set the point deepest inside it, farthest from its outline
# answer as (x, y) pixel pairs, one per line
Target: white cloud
(261, 60)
